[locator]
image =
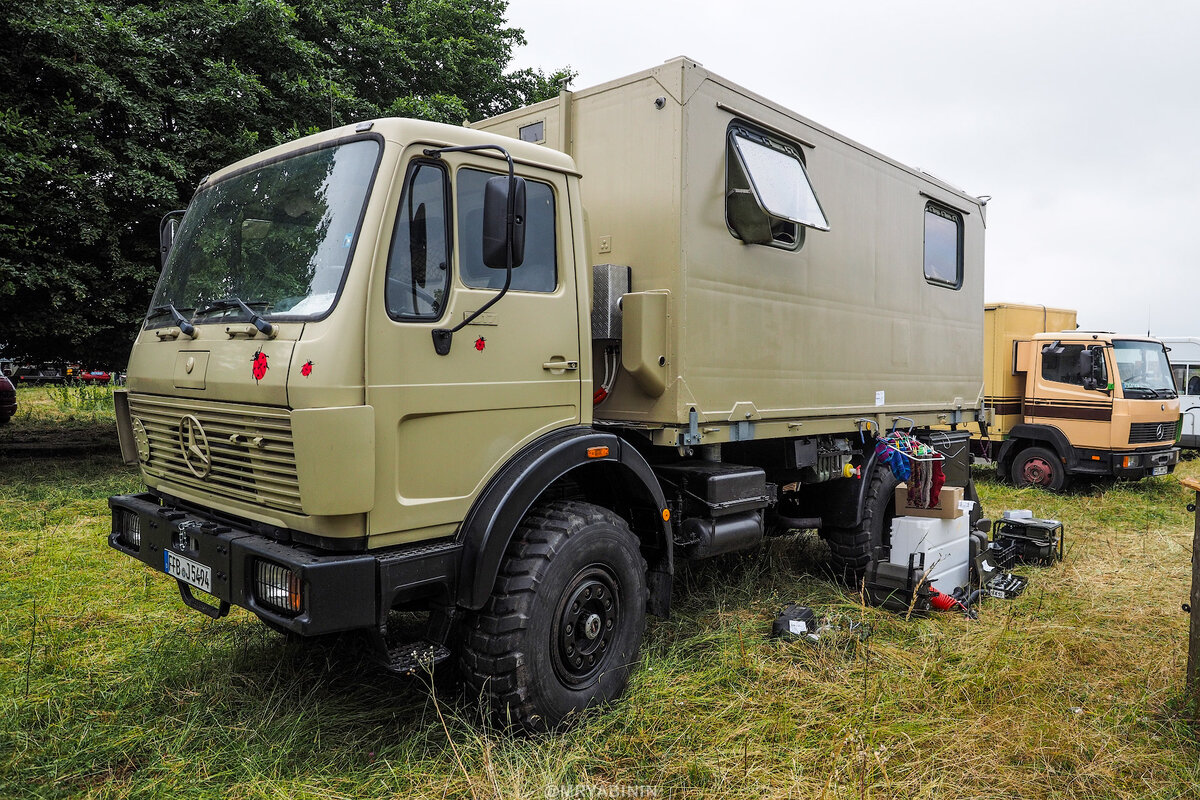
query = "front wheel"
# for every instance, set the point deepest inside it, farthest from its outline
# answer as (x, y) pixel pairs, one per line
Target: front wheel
(562, 629)
(1037, 466)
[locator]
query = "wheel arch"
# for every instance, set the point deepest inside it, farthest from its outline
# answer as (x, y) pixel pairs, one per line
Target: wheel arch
(1022, 436)
(550, 461)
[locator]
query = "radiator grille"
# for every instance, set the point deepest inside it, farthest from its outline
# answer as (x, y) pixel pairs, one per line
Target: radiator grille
(252, 457)
(1145, 432)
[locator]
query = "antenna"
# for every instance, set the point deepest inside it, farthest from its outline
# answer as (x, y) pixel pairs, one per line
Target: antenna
(1147, 320)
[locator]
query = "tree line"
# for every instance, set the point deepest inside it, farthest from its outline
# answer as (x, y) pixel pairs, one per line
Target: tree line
(112, 112)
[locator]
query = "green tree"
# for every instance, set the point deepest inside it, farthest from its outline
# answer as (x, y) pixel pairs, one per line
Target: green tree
(111, 112)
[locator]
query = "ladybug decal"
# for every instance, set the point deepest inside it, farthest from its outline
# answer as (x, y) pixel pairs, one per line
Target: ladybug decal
(480, 343)
(259, 366)
(306, 370)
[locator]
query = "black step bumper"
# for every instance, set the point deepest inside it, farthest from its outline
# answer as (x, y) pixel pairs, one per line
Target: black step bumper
(1149, 461)
(337, 591)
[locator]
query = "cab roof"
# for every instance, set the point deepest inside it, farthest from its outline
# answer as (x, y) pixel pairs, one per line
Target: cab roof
(402, 131)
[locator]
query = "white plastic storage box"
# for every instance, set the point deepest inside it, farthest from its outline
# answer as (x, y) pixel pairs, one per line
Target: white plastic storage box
(946, 544)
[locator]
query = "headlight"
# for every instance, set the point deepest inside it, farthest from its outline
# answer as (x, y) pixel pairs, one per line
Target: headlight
(278, 587)
(128, 527)
(1131, 461)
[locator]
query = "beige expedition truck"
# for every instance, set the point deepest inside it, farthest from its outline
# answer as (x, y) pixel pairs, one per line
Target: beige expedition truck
(1068, 402)
(504, 375)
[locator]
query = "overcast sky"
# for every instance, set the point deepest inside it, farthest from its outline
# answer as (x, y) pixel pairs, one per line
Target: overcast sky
(1080, 119)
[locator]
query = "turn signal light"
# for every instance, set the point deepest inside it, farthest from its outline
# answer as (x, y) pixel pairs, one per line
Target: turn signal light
(278, 587)
(597, 452)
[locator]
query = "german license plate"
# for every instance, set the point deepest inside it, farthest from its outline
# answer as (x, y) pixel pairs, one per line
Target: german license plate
(1159, 471)
(188, 571)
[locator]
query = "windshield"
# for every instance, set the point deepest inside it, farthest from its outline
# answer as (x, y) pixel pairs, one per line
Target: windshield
(278, 237)
(1143, 369)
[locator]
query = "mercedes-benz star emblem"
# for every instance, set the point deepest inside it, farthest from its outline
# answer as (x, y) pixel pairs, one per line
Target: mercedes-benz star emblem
(1161, 431)
(194, 445)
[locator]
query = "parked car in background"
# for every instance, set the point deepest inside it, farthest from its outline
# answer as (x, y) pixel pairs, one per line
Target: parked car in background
(97, 377)
(8, 400)
(37, 375)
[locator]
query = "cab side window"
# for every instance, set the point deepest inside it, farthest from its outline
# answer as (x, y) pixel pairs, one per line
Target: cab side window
(1060, 364)
(539, 271)
(419, 261)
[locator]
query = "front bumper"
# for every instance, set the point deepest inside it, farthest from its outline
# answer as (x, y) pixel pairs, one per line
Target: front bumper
(1150, 461)
(339, 592)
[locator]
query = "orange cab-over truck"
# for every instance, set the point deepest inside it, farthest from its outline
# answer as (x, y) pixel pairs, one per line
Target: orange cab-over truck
(1061, 402)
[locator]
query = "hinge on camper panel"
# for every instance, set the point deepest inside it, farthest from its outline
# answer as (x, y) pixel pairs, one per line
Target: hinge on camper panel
(742, 431)
(693, 432)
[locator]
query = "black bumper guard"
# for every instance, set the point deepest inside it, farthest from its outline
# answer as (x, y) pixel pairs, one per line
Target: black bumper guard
(341, 592)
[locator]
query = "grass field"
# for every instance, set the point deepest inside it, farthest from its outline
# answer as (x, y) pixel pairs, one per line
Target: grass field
(60, 416)
(110, 687)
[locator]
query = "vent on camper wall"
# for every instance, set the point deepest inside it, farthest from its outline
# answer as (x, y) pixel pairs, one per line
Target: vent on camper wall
(610, 282)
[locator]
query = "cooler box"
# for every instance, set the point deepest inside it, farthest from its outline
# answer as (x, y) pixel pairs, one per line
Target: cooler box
(946, 544)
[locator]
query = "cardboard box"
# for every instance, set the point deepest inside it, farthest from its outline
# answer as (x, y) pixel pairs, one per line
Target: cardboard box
(947, 506)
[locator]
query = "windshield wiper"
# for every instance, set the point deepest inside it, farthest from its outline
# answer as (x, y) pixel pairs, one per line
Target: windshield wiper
(185, 327)
(264, 327)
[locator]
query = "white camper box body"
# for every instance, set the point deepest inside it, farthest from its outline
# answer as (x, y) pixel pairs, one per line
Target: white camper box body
(1184, 355)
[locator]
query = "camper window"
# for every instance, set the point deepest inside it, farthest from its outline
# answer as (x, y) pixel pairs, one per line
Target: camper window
(768, 197)
(539, 270)
(418, 265)
(943, 246)
(1187, 378)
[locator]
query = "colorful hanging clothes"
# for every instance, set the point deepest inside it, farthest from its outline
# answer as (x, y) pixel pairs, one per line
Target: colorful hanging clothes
(915, 463)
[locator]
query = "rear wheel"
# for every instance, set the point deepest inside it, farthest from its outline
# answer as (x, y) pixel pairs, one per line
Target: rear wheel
(851, 548)
(1037, 466)
(562, 629)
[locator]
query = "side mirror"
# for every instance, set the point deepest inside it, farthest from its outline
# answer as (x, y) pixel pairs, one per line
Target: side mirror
(1087, 367)
(496, 239)
(167, 228)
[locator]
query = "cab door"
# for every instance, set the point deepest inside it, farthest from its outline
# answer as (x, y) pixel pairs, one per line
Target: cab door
(1060, 399)
(445, 424)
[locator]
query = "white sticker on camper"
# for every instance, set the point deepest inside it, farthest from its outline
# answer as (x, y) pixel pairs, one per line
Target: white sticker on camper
(879, 398)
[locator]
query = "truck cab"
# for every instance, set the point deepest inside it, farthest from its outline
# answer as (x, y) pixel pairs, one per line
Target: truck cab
(1093, 403)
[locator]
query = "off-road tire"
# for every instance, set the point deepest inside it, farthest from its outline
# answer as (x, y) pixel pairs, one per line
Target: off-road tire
(515, 650)
(851, 549)
(1038, 466)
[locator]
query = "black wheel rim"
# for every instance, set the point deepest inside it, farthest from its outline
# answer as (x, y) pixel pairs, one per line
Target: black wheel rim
(586, 623)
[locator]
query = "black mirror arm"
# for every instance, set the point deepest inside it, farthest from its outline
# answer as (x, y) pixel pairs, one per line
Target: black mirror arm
(442, 337)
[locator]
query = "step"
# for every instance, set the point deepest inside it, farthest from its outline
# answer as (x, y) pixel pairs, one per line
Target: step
(411, 657)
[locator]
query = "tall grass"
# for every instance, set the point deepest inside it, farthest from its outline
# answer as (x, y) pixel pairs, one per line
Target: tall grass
(109, 687)
(75, 398)
(61, 414)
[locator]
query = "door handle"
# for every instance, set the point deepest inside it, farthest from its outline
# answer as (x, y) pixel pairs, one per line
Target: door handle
(560, 365)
